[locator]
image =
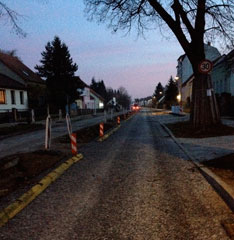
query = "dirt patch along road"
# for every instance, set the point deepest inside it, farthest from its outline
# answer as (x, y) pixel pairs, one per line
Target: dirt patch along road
(35, 140)
(136, 185)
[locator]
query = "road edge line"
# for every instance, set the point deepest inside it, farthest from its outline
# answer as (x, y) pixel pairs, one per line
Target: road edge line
(222, 188)
(19, 204)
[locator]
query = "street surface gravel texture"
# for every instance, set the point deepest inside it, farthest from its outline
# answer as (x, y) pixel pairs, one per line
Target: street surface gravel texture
(136, 185)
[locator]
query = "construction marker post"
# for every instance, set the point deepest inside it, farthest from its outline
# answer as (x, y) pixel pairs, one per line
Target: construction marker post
(73, 143)
(69, 126)
(32, 116)
(48, 132)
(118, 120)
(60, 115)
(101, 129)
(111, 114)
(105, 116)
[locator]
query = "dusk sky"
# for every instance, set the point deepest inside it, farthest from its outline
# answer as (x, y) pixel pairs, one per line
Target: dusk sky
(135, 63)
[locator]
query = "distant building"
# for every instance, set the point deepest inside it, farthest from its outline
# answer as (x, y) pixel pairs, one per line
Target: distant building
(185, 75)
(223, 74)
(89, 99)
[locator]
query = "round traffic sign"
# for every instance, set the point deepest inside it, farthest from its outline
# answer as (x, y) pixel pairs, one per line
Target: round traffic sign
(205, 66)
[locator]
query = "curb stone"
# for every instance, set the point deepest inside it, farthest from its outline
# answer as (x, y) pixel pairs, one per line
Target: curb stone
(222, 188)
(13, 209)
(112, 131)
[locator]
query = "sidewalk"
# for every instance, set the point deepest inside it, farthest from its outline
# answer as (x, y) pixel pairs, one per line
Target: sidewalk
(31, 141)
(203, 149)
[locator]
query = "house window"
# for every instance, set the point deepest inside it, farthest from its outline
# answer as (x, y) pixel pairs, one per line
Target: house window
(12, 97)
(2, 96)
(21, 97)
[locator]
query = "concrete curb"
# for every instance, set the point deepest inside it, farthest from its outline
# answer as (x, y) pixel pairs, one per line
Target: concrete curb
(14, 208)
(222, 188)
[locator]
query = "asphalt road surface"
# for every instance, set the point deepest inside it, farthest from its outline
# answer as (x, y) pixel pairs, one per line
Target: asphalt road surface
(136, 185)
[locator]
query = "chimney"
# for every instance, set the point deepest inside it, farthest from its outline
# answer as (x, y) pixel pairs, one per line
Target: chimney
(209, 43)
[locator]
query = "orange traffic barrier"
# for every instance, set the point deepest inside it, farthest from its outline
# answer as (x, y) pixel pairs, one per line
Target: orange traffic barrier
(73, 143)
(101, 129)
(118, 120)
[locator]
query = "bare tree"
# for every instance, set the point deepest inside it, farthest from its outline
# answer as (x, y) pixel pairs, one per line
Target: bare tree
(8, 15)
(190, 21)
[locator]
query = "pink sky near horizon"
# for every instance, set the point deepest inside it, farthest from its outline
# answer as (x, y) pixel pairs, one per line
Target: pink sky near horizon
(138, 65)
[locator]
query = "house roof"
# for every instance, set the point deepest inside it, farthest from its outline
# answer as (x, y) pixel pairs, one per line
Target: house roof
(80, 83)
(6, 82)
(20, 69)
(97, 95)
(181, 57)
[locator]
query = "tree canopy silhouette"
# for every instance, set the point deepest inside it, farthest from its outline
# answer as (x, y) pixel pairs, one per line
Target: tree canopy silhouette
(189, 21)
(58, 69)
(8, 15)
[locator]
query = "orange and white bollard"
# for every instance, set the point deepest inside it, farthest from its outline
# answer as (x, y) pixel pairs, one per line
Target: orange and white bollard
(118, 120)
(101, 129)
(73, 143)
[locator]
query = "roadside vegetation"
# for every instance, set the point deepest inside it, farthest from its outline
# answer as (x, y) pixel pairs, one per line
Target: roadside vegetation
(187, 130)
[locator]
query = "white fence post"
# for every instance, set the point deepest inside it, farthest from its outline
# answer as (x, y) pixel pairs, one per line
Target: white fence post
(48, 132)
(60, 115)
(69, 126)
(33, 116)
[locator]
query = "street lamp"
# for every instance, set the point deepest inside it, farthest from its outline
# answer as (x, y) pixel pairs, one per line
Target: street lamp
(178, 97)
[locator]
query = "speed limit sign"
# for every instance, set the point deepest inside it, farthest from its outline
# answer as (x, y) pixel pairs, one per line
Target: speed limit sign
(205, 66)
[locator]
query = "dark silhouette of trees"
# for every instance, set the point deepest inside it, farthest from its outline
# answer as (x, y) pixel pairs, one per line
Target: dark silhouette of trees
(99, 87)
(58, 69)
(171, 93)
(123, 97)
(189, 21)
(159, 91)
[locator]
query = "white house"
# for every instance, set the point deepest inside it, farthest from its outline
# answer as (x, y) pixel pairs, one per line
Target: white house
(12, 95)
(20, 86)
(89, 98)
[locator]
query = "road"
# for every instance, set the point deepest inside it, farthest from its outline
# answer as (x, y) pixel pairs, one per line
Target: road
(136, 185)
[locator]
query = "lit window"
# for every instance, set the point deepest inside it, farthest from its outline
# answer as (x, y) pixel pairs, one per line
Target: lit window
(21, 97)
(12, 97)
(2, 97)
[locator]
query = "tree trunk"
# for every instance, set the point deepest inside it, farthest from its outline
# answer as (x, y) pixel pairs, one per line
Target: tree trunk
(204, 111)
